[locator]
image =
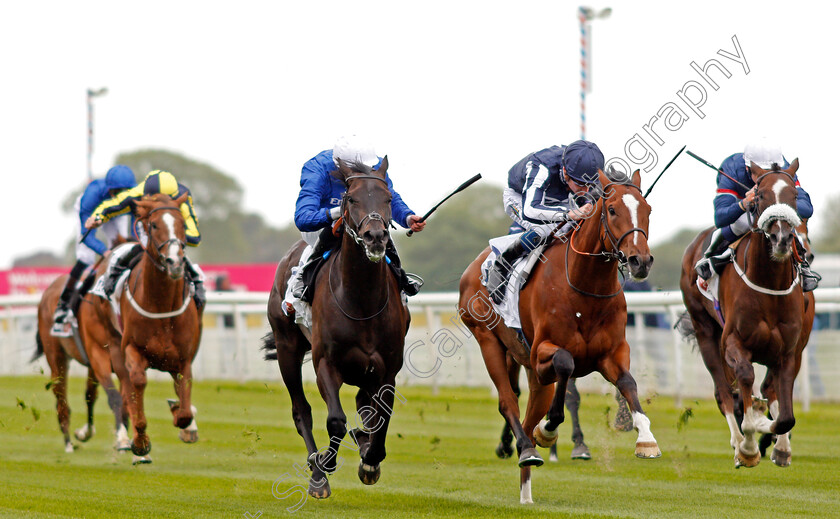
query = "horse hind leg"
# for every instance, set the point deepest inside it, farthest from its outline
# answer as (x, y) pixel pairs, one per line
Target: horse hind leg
(59, 364)
(183, 412)
(746, 451)
(781, 452)
(505, 447)
(87, 431)
(579, 450)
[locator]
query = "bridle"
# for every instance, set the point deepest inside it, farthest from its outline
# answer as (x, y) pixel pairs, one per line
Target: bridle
(753, 209)
(615, 243)
(159, 263)
(373, 216)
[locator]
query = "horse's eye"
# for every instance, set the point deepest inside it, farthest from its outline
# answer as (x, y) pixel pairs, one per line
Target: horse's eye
(154, 225)
(612, 211)
(351, 200)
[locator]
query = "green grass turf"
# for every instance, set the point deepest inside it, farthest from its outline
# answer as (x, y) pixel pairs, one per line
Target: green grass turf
(440, 461)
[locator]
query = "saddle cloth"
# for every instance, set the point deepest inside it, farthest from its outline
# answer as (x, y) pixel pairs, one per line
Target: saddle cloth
(517, 276)
(99, 287)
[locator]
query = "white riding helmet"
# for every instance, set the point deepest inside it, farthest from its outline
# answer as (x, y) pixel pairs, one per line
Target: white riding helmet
(355, 150)
(764, 153)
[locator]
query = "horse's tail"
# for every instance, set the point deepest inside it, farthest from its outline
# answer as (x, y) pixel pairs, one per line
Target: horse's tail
(686, 328)
(39, 347)
(269, 346)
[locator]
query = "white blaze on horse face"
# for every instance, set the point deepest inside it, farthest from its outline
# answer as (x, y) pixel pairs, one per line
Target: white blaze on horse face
(172, 251)
(778, 187)
(633, 205)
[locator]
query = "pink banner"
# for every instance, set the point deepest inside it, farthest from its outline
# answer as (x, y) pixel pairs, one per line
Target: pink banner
(256, 277)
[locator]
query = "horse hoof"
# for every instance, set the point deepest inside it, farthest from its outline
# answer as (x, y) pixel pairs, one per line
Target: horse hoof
(319, 492)
(188, 436)
(746, 460)
(141, 450)
(647, 450)
(173, 404)
(581, 452)
(543, 437)
(123, 445)
(781, 458)
(368, 474)
(84, 433)
(504, 450)
(141, 460)
(530, 458)
(69, 448)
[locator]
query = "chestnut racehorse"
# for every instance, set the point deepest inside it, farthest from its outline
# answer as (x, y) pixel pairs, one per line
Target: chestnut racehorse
(161, 324)
(94, 333)
(764, 318)
(574, 314)
(358, 330)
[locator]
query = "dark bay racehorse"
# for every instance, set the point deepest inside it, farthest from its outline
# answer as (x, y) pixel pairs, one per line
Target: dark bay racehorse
(95, 334)
(161, 325)
(573, 313)
(764, 318)
(358, 330)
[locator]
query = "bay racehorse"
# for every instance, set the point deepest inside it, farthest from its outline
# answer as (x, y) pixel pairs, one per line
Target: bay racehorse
(358, 330)
(763, 318)
(94, 336)
(160, 322)
(574, 314)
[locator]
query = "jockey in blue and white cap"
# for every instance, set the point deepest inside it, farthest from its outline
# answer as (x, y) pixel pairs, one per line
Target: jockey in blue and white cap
(541, 192)
(118, 179)
(319, 205)
(732, 202)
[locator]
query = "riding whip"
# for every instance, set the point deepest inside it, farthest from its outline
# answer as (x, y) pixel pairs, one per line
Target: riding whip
(460, 188)
(663, 171)
(706, 162)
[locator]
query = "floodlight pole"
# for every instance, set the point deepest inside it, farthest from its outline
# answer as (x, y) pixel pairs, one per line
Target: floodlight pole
(585, 15)
(90, 95)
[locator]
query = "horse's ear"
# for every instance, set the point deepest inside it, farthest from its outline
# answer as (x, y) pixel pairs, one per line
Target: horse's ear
(141, 208)
(383, 166)
(181, 199)
(343, 171)
(755, 170)
(603, 178)
(794, 166)
(637, 179)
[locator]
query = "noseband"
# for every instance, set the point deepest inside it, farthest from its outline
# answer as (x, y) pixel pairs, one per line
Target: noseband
(373, 216)
(755, 218)
(159, 263)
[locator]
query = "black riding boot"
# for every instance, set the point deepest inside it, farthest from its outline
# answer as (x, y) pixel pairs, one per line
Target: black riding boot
(497, 276)
(194, 277)
(810, 279)
(123, 263)
(409, 283)
(62, 311)
(326, 242)
(710, 259)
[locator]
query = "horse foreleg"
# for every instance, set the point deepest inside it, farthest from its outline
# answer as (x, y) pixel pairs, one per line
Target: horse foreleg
(539, 400)
(136, 366)
(85, 432)
(325, 461)
(382, 405)
(616, 370)
(100, 363)
(493, 353)
(738, 359)
(183, 412)
(580, 451)
(545, 432)
(782, 412)
(505, 447)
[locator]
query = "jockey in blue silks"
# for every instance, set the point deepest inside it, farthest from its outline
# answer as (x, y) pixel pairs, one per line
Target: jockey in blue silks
(118, 179)
(540, 195)
(732, 203)
(319, 206)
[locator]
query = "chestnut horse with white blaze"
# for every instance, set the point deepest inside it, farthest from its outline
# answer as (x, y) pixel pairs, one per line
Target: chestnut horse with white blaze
(161, 322)
(763, 317)
(574, 314)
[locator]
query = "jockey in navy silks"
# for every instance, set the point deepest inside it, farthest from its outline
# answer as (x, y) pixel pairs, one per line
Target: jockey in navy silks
(318, 207)
(732, 202)
(540, 195)
(118, 179)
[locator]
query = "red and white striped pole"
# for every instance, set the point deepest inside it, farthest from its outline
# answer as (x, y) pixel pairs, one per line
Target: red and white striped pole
(585, 15)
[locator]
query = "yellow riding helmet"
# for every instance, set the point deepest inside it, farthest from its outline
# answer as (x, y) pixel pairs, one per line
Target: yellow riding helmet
(160, 182)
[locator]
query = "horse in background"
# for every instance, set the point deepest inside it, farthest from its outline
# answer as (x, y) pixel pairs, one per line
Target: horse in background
(574, 314)
(358, 330)
(763, 317)
(159, 321)
(95, 335)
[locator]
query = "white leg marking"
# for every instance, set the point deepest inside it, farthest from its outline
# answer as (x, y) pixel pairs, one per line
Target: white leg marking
(774, 409)
(642, 424)
(525, 493)
(735, 436)
(633, 205)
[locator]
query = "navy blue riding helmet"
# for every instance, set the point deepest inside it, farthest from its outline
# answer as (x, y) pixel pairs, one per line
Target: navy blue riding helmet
(582, 160)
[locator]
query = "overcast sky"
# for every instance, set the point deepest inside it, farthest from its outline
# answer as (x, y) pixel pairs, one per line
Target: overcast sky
(446, 88)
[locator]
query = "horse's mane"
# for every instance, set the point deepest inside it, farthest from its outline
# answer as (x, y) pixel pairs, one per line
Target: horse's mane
(619, 177)
(157, 197)
(775, 167)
